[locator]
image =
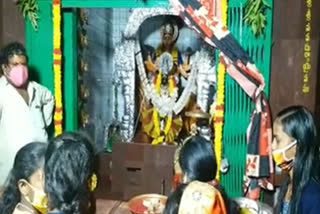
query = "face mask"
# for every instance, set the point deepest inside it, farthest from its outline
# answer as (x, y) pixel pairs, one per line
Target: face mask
(280, 158)
(39, 200)
(18, 75)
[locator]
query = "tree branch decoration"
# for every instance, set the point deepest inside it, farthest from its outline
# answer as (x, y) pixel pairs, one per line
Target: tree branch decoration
(255, 15)
(30, 9)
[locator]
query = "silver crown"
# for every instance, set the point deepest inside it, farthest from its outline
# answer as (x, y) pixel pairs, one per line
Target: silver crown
(171, 29)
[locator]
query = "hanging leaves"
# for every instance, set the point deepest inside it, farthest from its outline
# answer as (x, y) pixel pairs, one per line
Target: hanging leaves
(29, 9)
(254, 11)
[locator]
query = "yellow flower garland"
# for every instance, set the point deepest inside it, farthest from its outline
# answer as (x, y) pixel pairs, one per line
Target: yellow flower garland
(93, 181)
(155, 116)
(58, 113)
(219, 108)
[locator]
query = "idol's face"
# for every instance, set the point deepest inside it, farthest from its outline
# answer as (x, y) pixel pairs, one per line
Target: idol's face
(167, 41)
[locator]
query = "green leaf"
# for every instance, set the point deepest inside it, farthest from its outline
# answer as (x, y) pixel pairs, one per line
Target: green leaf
(255, 15)
(249, 8)
(265, 3)
(254, 29)
(24, 11)
(257, 5)
(30, 9)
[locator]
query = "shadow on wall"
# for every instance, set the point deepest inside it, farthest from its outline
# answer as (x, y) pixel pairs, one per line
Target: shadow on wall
(33, 74)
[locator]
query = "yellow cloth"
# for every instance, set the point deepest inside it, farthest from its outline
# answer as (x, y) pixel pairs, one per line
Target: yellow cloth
(174, 123)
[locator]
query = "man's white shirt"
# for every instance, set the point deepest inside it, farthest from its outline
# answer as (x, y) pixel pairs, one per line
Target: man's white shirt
(22, 123)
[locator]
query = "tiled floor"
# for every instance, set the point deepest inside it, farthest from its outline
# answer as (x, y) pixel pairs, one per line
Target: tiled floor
(111, 207)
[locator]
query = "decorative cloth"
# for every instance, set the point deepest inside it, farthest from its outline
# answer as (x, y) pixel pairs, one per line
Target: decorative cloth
(199, 197)
(197, 14)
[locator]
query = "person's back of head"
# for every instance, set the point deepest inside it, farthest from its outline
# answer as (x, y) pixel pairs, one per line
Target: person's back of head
(68, 170)
(201, 198)
(197, 160)
(28, 160)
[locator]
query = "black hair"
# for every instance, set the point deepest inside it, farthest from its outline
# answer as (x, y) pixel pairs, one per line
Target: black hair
(28, 160)
(14, 48)
(197, 159)
(298, 123)
(69, 164)
(232, 206)
(173, 201)
(282, 194)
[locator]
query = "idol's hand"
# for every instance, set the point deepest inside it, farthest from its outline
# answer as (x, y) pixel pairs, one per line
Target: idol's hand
(150, 66)
(183, 70)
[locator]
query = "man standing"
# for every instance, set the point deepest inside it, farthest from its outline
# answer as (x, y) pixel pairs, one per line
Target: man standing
(25, 107)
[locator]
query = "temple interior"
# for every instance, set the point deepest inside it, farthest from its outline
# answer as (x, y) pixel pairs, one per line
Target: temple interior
(141, 80)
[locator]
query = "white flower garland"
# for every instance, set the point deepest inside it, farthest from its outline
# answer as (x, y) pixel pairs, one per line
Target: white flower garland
(166, 106)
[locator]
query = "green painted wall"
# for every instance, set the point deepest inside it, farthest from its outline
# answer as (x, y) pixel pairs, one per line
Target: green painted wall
(70, 77)
(237, 105)
(39, 48)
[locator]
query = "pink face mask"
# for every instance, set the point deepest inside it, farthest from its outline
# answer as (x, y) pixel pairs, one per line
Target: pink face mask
(18, 75)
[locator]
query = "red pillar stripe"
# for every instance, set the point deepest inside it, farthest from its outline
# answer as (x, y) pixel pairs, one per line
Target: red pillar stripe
(58, 109)
(56, 2)
(218, 119)
(57, 122)
(220, 107)
(57, 62)
(57, 51)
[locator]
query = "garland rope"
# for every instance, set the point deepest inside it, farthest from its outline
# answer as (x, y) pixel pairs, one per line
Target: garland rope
(58, 113)
(219, 107)
(156, 121)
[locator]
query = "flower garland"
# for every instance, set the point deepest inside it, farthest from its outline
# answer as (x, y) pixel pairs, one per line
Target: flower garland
(155, 114)
(219, 107)
(164, 106)
(92, 183)
(58, 114)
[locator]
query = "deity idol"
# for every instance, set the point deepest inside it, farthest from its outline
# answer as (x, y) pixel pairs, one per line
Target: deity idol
(165, 71)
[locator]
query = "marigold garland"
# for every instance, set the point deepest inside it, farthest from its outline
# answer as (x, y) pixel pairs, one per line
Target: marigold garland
(93, 181)
(155, 114)
(58, 113)
(219, 107)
